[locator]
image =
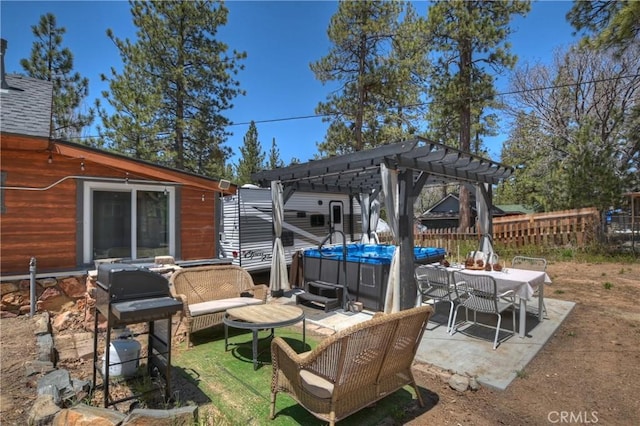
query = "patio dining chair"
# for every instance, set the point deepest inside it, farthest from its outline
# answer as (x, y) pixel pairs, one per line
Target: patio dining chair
(532, 264)
(479, 293)
(434, 283)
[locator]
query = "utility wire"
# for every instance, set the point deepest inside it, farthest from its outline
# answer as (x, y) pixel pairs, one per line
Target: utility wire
(508, 93)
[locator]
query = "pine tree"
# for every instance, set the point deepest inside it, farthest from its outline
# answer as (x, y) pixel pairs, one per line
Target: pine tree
(135, 127)
(372, 59)
(274, 156)
(51, 62)
(467, 38)
(187, 79)
(607, 23)
(252, 158)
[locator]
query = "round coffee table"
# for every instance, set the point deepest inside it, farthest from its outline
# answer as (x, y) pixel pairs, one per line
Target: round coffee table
(260, 317)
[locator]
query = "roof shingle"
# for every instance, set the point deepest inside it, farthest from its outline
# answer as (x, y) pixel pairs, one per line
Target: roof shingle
(25, 108)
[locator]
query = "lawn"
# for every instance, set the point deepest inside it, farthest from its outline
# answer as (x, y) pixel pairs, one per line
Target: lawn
(241, 395)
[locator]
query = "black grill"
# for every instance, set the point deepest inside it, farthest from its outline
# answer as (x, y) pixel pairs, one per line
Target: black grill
(129, 294)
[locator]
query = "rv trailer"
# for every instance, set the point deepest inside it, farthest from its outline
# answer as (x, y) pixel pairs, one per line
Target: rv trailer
(247, 233)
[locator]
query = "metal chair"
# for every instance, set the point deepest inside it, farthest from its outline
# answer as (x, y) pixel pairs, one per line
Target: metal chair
(434, 283)
(533, 264)
(479, 293)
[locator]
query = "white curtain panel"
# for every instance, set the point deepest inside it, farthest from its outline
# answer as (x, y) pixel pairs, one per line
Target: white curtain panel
(390, 189)
(278, 279)
(365, 209)
(483, 205)
(374, 216)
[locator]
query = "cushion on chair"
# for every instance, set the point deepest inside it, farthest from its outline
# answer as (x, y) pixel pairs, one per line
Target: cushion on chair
(221, 305)
(316, 385)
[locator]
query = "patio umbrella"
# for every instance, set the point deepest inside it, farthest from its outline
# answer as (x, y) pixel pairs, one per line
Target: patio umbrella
(278, 279)
(390, 188)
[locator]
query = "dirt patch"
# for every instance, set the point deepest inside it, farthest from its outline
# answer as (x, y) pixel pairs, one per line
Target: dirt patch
(589, 372)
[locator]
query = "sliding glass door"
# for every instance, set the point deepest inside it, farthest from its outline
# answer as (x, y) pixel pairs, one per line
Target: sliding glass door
(128, 221)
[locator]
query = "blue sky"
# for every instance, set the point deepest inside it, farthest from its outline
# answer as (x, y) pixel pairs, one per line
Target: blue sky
(281, 40)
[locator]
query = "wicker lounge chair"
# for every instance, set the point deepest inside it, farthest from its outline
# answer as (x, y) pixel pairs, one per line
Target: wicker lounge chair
(207, 292)
(353, 368)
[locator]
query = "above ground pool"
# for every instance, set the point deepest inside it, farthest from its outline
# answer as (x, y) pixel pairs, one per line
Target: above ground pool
(367, 268)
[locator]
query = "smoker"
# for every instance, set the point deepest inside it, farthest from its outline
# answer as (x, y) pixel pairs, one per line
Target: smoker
(129, 294)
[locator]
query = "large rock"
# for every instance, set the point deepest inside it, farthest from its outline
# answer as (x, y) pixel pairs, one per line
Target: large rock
(73, 287)
(74, 346)
(43, 411)
(44, 347)
(459, 382)
(86, 415)
(54, 300)
(63, 320)
(58, 385)
(13, 301)
(47, 282)
(43, 324)
(7, 287)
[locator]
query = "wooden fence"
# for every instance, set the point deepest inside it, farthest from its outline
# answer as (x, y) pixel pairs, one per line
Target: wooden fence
(577, 228)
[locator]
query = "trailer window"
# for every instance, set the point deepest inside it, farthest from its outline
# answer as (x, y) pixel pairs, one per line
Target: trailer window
(287, 238)
(317, 220)
(337, 214)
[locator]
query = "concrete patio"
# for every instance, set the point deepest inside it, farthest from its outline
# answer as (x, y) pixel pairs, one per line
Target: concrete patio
(469, 351)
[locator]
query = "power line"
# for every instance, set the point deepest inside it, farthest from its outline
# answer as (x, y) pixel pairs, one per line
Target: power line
(514, 92)
(508, 93)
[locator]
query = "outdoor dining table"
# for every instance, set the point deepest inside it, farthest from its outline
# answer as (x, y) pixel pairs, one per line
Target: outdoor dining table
(523, 283)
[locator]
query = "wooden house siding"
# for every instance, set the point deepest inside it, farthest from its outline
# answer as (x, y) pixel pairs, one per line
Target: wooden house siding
(197, 219)
(37, 223)
(44, 218)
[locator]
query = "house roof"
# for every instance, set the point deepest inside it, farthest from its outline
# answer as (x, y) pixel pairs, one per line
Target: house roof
(449, 207)
(515, 208)
(359, 172)
(124, 162)
(25, 107)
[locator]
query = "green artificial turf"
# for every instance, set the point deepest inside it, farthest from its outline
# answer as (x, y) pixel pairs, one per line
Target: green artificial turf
(241, 395)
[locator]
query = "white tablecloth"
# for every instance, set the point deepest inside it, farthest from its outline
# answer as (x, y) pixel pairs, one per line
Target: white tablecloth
(523, 282)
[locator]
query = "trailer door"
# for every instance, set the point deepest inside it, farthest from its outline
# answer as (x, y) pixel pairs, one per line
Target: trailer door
(336, 221)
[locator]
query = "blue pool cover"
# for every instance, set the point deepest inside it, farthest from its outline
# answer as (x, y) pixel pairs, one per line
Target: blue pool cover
(379, 254)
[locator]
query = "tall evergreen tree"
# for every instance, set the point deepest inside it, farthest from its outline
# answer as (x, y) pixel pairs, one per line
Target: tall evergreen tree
(612, 23)
(274, 156)
(136, 126)
(52, 62)
(372, 59)
(177, 58)
(469, 45)
(252, 158)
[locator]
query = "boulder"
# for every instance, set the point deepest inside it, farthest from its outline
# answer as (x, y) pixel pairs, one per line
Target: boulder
(85, 415)
(73, 287)
(43, 411)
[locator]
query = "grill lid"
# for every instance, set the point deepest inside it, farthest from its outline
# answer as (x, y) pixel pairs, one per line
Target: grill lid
(129, 282)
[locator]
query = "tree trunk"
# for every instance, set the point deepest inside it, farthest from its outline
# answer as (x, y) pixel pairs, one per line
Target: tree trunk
(465, 125)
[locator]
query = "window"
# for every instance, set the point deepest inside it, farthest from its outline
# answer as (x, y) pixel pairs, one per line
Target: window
(317, 220)
(337, 214)
(128, 221)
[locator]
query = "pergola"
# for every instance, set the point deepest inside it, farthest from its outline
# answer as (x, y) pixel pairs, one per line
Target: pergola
(400, 171)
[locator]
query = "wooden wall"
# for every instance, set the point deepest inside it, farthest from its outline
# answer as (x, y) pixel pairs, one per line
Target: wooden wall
(37, 223)
(198, 229)
(43, 222)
